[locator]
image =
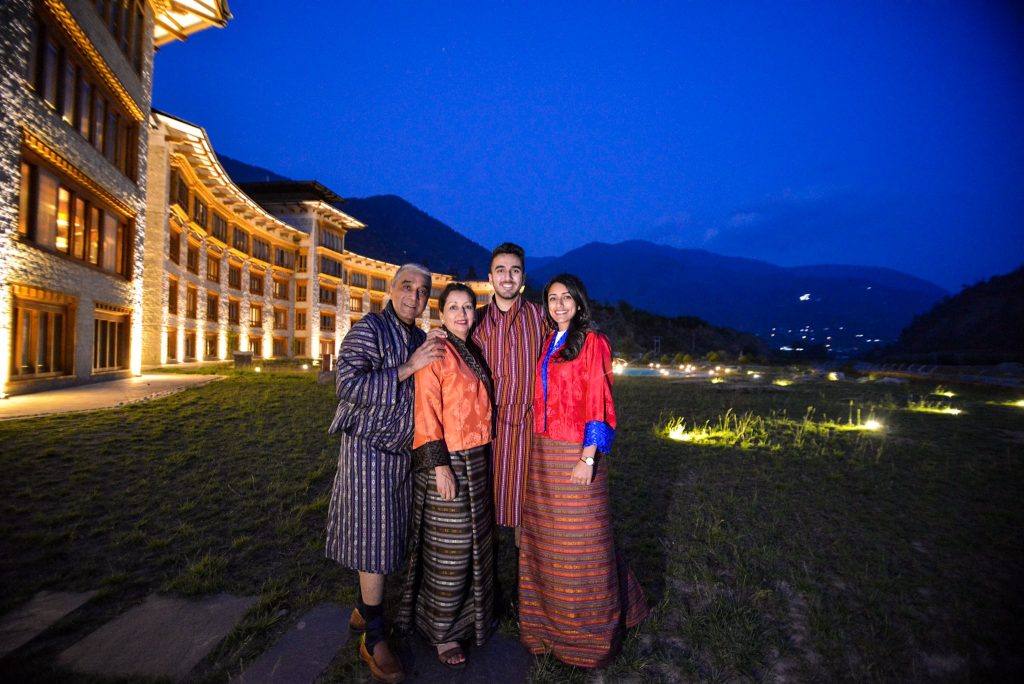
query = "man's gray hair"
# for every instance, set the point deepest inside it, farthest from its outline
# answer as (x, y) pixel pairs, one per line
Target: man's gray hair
(416, 268)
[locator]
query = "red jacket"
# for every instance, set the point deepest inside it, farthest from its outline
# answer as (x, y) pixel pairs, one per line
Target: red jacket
(578, 391)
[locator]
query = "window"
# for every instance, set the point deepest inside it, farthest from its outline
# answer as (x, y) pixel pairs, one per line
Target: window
(331, 267)
(379, 284)
(285, 258)
(172, 345)
(357, 280)
(240, 240)
(219, 228)
(332, 241)
(280, 289)
(327, 347)
(435, 292)
(328, 295)
(174, 247)
(192, 259)
(57, 75)
(280, 319)
(212, 303)
(210, 349)
(125, 19)
(191, 301)
(179, 190)
(260, 249)
(57, 216)
(301, 264)
(300, 321)
(233, 310)
(199, 212)
(299, 347)
(172, 296)
(255, 315)
(300, 293)
(41, 339)
(256, 346)
(355, 304)
(327, 322)
(255, 283)
(190, 345)
(376, 305)
(235, 277)
(280, 346)
(213, 267)
(110, 341)
(435, 315)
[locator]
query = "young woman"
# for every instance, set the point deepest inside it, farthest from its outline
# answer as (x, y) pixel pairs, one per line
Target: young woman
(449, 590)
(575, 591)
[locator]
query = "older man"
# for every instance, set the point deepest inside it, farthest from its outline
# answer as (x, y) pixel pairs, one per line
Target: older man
(368, 517)
(510, 332)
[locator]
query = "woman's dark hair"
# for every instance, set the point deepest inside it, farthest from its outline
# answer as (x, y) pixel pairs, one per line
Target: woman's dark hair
(580, 324)
(454, 287)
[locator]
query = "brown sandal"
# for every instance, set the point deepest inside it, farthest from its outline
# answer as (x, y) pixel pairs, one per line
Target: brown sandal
(450, 658)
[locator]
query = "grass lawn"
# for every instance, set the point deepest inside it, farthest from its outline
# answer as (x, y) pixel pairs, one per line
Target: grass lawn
(775, 544)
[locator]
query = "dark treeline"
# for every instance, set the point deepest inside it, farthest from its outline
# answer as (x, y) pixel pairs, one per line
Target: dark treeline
(983, 324)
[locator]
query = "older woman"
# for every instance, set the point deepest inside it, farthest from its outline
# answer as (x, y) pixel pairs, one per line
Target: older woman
(449, 589)
(575, 590)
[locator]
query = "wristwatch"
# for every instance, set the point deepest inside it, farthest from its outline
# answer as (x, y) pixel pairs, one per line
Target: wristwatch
(589, 460)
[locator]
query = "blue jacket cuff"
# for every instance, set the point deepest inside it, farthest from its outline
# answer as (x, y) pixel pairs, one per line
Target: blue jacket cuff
(598, 433)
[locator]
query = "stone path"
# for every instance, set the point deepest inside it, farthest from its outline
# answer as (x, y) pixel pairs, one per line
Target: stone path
(24, 624)
(163, 637)
(167, 637)
(304, 652)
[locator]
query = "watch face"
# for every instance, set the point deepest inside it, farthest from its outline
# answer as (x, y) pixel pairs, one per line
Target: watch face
(589, 460)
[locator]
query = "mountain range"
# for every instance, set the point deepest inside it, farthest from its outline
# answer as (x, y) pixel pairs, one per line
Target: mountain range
(849, 309)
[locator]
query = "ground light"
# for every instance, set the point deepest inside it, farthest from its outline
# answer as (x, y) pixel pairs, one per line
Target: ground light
(833, 376)
(258, 369)
(305, 366)
(782, 382)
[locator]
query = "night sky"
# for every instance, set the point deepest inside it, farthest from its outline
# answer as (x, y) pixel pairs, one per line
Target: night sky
(885, 134)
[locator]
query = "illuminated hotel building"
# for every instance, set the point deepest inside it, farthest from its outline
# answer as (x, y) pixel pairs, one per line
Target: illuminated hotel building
(75, 92)
(123, 242)
(261, 267)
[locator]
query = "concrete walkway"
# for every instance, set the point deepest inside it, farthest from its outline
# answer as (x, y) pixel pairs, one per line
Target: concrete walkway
(99, 395)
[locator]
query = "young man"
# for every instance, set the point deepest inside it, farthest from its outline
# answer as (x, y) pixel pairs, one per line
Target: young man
(510, 332)
(371, 499)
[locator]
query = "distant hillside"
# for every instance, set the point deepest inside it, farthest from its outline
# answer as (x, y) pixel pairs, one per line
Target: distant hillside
(633, 331)
(980, 325)
(241, 172)
(854, 309)
(398, 232)
(819, 302)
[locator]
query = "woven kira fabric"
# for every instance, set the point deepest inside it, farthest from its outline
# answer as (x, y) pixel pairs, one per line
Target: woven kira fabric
(576, 592)
(449, 589)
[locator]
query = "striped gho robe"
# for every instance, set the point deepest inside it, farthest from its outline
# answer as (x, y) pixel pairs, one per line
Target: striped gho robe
(368, 517)
(511, 344)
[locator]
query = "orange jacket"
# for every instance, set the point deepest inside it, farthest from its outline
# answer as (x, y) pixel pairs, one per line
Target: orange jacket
(452, 404)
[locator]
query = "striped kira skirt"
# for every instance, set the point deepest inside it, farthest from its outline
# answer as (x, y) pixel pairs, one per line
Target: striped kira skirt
(576, 592)
(449, 589)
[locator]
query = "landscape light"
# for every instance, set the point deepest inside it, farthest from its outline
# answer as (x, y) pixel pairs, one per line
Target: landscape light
(872, 425)
(305, 366)
(1019, 403)
(782, 382)
(715, 381)
(833, 376)
(756, 376)
(258, 369)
